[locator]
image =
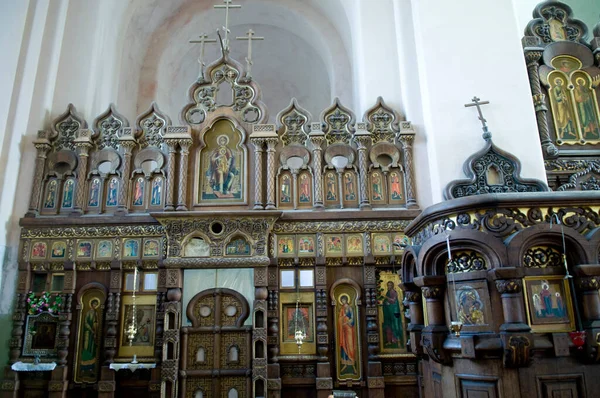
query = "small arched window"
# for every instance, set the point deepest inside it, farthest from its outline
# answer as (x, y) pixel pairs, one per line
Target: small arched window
(200, 355)
(233, 393)
(233, 355)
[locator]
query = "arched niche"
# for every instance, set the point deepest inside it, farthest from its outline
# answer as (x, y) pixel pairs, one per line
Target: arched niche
(541, 235)
(195, 245)
(433, 255)
(155, 44)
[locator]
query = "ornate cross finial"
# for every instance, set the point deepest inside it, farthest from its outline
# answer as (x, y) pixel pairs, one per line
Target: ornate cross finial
(203, 40)
(477, 102)
(249, 36)
(227, 6)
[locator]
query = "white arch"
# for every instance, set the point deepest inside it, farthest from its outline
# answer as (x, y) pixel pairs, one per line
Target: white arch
(154, 37)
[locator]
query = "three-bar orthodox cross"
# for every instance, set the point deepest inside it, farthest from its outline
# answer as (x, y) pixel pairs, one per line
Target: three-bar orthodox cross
(227, 6)
(477, 102)
(203, 40)
(249, 36)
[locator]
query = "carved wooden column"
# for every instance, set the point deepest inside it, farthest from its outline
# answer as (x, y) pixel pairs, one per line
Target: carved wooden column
(259, 149)
(512, 302)
(436, 331)
(324, 379)
(406, 138)
(170, 200)
(58, 384)
(587, 292)
(107, 383)
(532, 56)
(42, 145)
(273, 369)
(83, 142)
(417, 321)
(271, 172)
(317, 137)
(514, 332)
(127, 142)
(172, 279)
(375, 380)
(362, 137)
(259, 331)
(185, 145)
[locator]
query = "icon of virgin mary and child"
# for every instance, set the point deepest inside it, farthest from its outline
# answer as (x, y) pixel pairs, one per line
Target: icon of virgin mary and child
(222, 169)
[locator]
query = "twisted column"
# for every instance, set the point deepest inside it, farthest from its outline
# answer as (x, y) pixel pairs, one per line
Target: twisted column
(259, 144)
(183, 173)
(407, 139)
(170, 199)
(127, 146)
(42, 146)
(363, 140)
(317, 138)
(539, 100)
(271, 143)
(83, 148)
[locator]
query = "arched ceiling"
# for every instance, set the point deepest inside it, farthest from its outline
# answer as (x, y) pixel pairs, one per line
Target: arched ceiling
(305, 53)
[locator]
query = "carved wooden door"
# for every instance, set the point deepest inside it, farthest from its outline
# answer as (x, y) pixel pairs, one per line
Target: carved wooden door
(216, 357)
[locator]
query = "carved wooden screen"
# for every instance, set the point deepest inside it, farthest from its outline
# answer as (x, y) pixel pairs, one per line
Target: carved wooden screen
(217, 352)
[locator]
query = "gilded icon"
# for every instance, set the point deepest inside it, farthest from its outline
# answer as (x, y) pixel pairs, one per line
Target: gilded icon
(131, 248)
(331, 187)
(566, 63)
(238, 247)
(50, 200)
(306, 246)
(142, 343)
(391, 314)
(156, 198)
(38, 250)
(354, 245)
(104, 249)
(68, 193)
(222, 162)
(94, 199)
(381, 244)
(349, 186)
(87, 363)
(305, 191)
(112, 194)
(400, 242)
(549, 305)
(396, 191)
(377, 188)
(286, 189)
(285, 246)
(469, 306)
(334, 245)
(586, 106)
(347, 323)
(58, 250)
(562, 106)
(151, 248)
(138, 192)
(84, 249)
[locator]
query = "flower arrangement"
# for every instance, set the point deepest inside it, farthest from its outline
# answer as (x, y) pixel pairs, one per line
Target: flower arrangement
(43, 303)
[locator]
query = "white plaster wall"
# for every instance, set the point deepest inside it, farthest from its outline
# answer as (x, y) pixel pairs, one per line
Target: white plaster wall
(285, 66)
(156, 43)
(472, 50)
